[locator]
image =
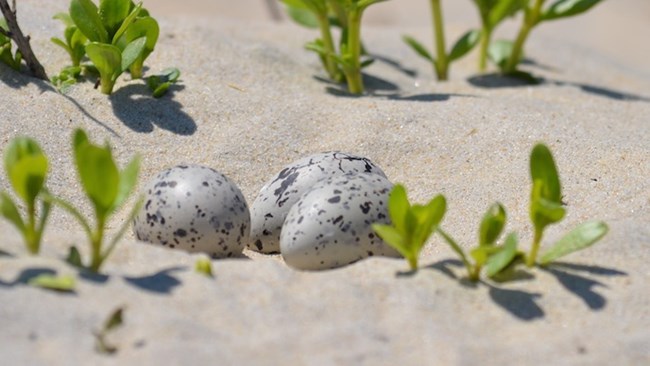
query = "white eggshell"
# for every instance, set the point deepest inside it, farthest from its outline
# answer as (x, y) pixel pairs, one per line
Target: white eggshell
(196, 209)
(330, 226)
(278, 195)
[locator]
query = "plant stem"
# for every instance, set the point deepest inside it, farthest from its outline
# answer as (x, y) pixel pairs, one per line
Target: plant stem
(106, 84)
(328, 44)
(531, 19)
(486, 35)
(413, 262)
(532, 257)
(441, 63)
(458, 251)
(96, 246)
(136, 70)
(353, 57)
(31, 237)
(22, 41)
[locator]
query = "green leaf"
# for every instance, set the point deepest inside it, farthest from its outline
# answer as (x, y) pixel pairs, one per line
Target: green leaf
(52, 282)
(418, 48)
(86, 17)
(392, 237)
(128, 179)
(492, 224)
(160, 83)
(579, 238)
(131, 53)
(501, 259)
(480, 255)
(504, 8)
(64, 18)
(499, 52)
(464, 44)
(74, 258)
(398, 207)
(126, 23)
(543, 170)
(97, 171)
(203, 266)
(10, 212)
(114, 320)
(567, 8)
(144, 27)
(60, 43)
(26, 167)
(428, 219)
(302, 14)
(112, 13)
(106, 58)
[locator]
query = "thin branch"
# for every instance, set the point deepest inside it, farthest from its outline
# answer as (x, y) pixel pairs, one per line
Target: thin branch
(22, 42)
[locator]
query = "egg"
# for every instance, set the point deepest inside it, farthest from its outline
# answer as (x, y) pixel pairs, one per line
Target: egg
(331, 224)
(196, 209)
(276, 197)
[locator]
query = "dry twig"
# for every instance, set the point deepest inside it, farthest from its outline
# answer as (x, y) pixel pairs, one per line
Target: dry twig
(22, 41)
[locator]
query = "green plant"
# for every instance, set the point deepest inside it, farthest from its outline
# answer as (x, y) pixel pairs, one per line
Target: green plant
(203, 266)
(107, 189)
(26, 166)
(120, 34)
(442, 59)
(487, 254)
(159, 84)
(6, 54)
(492, 13)
(74, 43)
(114, 320)
(546, 209)
(66, 78)
(346, 64)
(534, 14)
(64, 283)
(411, 225)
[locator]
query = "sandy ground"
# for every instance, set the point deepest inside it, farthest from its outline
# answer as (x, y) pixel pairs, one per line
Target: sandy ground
(251, 100)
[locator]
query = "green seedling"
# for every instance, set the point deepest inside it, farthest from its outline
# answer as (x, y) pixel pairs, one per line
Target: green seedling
(203, 266)
(26, 166)
(487, 254)
(534, 14)
(159, 84)
(121, 35)
(346, 64)
(492, 13)
(546, 209)
(107, 189)
(114, 321)
(66, 78)
(442, 60)
(65, 283)
(74, 42)
(7, 55)
(411, 225)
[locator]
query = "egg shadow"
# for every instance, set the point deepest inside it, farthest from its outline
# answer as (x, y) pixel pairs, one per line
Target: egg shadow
(162, 282)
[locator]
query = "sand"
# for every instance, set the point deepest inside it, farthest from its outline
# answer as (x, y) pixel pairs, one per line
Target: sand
(251, 100)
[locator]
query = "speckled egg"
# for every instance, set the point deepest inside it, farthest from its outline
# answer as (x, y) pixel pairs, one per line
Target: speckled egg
(278, 195)
(196, 209)
(330, 225)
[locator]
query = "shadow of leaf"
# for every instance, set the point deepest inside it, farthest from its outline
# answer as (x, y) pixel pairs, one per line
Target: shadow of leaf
(161, 282)
(580, 286)
(497, 80)
(597, 270)
(443, 267)
(141, 112)
(520, 304)
(395, 64)
(429, 97)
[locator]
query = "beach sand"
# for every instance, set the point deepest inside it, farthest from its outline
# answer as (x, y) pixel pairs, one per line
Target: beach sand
(251, 100)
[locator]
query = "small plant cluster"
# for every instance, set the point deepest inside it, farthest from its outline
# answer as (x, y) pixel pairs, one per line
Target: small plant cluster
(106, 187)
(114, 37)
(345, 65)
(413, 224)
